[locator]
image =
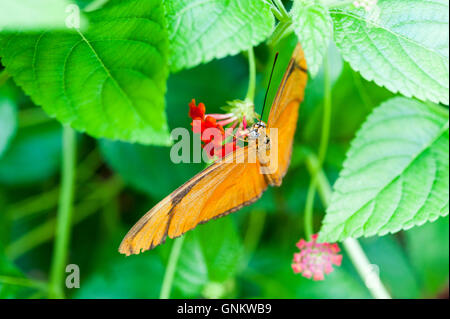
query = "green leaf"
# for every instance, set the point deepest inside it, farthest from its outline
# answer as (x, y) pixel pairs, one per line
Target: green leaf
(221, 247)
(33, 155)
(200, 31)
(34, 14)
(395, 175)
(402, 45)
(8, 121)
(428, 248)
(314, 28)
(108, 81)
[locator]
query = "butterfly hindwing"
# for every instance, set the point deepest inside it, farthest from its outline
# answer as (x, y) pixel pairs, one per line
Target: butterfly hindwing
(220, 189)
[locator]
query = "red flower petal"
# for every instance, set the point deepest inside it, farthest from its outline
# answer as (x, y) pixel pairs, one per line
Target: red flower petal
(196, 111)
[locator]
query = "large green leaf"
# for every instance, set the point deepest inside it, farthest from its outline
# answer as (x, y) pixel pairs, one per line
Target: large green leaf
(191, 275)
(402, 45)
(428, 247)
(108, 81)
(34, 14)
(203, 30)
(314, 28)
(395, 175)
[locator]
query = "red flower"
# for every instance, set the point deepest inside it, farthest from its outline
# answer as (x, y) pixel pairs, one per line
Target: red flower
(210, 122)
(316, 259)
(202, 122)
(196, 112)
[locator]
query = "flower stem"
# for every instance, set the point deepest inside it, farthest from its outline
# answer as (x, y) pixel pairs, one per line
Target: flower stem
(252, 76)
(358, 257)
(279, 33)
(309, 206)
(276, 13)
(171, 267)
(327, 109)
(64, 217)
(284, 25)
(324, 138)
(281, 9)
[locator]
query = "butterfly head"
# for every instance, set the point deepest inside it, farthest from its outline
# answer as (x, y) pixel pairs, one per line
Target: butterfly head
(258, 133)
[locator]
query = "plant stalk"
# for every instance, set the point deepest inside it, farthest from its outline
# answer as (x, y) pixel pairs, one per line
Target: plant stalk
(281, 9)
(251, 77)
(169, 275)
(64, 217)
(323, 147)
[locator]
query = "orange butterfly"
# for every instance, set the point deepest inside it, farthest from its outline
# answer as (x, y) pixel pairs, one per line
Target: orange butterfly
(227, 185)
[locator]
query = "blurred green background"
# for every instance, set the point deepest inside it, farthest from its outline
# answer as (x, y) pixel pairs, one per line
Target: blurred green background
(244, 255)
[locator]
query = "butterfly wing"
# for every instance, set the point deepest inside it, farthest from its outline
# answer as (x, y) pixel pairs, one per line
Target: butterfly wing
(284, 111)
(220, 189)
(228, 185)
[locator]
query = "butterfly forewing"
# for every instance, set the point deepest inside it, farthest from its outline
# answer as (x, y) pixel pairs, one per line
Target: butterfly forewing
(284, 111)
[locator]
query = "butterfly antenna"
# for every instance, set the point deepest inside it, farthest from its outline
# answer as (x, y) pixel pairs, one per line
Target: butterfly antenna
(268, 86)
